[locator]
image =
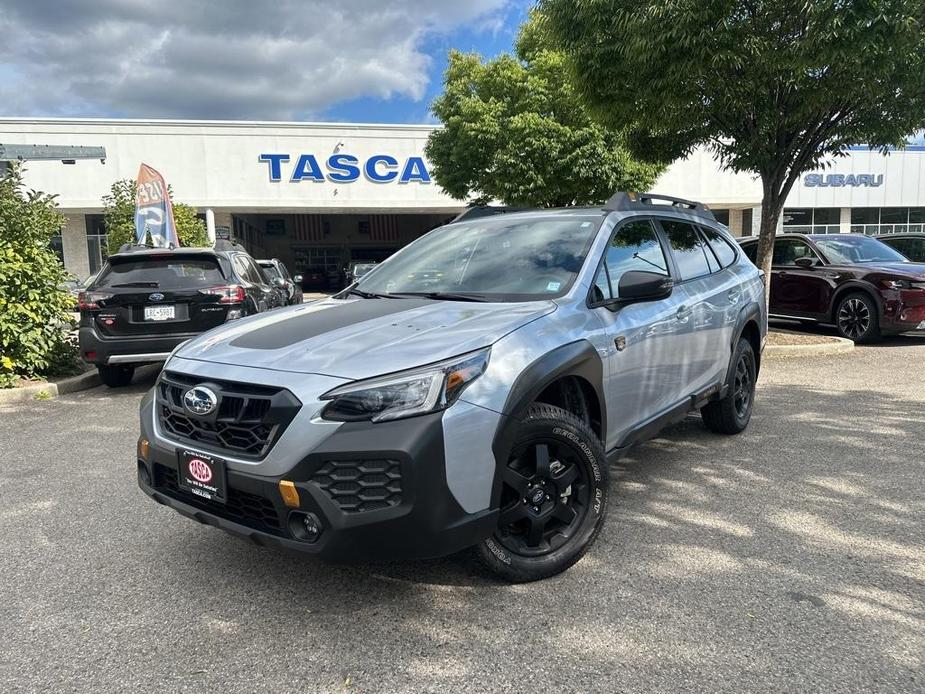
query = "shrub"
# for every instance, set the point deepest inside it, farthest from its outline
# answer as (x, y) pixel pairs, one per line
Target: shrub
(34, 310)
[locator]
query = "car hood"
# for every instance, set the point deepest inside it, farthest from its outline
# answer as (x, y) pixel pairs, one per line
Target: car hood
(916, 270)
(361, 338)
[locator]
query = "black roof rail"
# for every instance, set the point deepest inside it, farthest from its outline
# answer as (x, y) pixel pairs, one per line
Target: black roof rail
(477, 211)
(622, 201)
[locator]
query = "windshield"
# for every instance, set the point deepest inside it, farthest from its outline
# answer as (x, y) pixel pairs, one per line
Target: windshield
(857, 249)
(500, 259)
(161, 273)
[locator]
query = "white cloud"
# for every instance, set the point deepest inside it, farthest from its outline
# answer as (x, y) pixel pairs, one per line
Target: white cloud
(260, 59)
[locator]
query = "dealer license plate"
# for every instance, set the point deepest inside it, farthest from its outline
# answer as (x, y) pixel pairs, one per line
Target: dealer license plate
(203, 475)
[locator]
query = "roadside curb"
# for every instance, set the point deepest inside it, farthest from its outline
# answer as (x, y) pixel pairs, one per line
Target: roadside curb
(30, 393)
(834, 345)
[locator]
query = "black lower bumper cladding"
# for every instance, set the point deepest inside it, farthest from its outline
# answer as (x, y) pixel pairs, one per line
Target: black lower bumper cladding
(378, 490)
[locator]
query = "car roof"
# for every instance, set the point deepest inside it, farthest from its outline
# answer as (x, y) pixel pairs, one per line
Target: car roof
(902, 235)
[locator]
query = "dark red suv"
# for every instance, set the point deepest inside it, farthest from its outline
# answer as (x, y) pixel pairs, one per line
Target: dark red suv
(862, 286)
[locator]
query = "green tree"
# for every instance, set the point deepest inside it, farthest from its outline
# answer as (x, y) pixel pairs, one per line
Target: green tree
(119, 216)
(515, 131)
(773, 87)
(33, 309)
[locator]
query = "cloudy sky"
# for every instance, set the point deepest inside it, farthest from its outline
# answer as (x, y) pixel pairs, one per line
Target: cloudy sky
(348, 60)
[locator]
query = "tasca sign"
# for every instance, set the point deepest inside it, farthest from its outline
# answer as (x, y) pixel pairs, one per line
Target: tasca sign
(345, 168)
(842, 180)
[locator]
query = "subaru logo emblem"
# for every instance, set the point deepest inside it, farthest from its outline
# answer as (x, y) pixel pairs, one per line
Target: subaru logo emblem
(200, 400)
(156, 296)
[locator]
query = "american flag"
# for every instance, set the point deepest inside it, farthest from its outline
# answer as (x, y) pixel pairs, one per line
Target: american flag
(308, 227)
(383, 227)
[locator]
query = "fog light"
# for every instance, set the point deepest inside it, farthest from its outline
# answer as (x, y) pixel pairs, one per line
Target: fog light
(290, 494)
(305, 526)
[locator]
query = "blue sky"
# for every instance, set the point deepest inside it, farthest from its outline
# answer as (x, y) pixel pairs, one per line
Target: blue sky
(350, 60)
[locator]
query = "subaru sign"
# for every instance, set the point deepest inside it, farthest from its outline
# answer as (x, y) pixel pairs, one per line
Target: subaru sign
(346, 168)
(842, 180)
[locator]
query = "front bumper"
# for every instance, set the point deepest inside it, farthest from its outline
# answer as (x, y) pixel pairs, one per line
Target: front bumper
(903, 311)
(97, 349)
(379, 490)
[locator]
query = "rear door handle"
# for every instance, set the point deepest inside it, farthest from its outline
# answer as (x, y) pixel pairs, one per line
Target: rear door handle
(734, 295)
(683, 314)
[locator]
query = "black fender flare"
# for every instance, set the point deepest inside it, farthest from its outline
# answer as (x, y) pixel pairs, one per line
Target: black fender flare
(854, 286)
(749, 312)
(578, 358)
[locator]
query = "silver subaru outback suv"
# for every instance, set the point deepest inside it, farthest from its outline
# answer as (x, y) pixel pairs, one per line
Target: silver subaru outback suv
(468, 392)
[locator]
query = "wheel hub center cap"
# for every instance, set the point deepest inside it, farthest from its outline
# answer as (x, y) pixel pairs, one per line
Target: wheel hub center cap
(537, 496)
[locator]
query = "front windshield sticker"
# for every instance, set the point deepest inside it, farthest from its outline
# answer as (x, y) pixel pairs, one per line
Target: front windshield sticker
(553, 286)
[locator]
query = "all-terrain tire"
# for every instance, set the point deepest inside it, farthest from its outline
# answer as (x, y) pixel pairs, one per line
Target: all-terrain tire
(732, 414)
(573, 455)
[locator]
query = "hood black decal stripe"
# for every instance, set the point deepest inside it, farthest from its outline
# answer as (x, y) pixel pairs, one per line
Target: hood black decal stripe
(310, 324)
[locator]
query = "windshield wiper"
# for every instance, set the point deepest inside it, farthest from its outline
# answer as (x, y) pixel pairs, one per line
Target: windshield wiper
(444, 296)
(136, 284)
(367, 295)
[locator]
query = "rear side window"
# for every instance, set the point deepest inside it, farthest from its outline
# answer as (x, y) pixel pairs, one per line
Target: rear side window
(722, 248)
(248, 271)
(164, 272)
(634, 246)
(270, 270)
(914, 249)
(689, 248)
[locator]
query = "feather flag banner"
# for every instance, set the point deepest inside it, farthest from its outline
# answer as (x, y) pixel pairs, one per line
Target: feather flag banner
(153, 210)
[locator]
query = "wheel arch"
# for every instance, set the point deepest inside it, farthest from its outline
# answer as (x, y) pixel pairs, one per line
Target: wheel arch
(855, 287)
(575, 368)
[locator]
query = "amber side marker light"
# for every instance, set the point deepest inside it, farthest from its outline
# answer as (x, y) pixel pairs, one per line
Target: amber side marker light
(290, 494)
(143, 448)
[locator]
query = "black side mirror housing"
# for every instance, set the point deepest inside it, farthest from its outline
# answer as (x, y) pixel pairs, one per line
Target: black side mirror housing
(805, 262)
(641, 285)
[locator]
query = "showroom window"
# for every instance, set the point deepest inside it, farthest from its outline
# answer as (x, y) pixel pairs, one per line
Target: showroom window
(56, 246)
(812, 220)
(97, 247)
(887, 220)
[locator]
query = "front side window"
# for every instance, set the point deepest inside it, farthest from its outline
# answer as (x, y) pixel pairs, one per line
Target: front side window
(787, 251)
(858, 249)
(270, 270)
(690, 250)
(634, 246)
(490, 259)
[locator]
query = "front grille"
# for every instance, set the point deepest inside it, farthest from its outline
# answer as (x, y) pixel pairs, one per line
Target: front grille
(242, 507)
(248, 421)
(357, 486)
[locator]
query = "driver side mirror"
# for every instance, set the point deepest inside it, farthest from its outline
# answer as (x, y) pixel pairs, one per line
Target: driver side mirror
(641, 285)
(297, 279)
(805, 262)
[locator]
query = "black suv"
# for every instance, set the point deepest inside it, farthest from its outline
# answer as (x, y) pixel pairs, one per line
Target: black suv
(147, 301)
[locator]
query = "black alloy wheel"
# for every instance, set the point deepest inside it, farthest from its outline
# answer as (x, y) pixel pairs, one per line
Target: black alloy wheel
(743, 384)
(545, 498)
(552, 499)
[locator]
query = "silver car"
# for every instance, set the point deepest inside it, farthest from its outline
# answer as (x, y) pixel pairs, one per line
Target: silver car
(410, 416)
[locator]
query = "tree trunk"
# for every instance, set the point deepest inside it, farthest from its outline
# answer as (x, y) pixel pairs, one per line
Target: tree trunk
(772, 204)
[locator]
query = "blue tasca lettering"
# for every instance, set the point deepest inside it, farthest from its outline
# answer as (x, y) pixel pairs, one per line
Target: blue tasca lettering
(414, 171)
(274, 161)
(307, 167)
(343, 168)
(387, 163)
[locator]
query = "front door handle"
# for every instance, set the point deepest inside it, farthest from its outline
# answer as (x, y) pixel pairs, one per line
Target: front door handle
(734, 295)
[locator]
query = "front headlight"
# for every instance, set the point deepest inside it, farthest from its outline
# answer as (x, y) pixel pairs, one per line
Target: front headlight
(405, 394)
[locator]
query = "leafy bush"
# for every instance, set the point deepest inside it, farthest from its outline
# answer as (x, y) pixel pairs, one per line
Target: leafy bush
(119, 215)
(34, 310)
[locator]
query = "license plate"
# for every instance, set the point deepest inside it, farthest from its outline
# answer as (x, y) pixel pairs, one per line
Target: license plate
(160, 312)
(203, 475)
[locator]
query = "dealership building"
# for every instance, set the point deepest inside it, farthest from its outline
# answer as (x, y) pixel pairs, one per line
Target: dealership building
(324, 195)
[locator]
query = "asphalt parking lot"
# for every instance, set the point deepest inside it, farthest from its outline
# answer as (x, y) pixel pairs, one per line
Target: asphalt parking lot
(791, 558)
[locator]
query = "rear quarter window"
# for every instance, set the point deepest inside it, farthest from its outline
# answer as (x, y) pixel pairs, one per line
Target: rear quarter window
(159, 272)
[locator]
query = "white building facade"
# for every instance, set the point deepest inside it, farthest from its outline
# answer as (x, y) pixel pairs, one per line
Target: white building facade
(322, 195)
